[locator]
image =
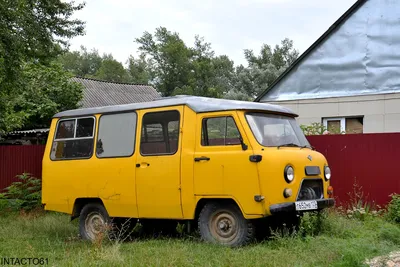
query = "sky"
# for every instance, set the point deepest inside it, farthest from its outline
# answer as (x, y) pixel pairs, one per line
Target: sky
(229, 25)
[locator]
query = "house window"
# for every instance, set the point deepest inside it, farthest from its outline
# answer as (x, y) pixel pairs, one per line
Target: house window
(348, 125)
(160, 133)
(221, 131)
(73, 139)
(116, 136)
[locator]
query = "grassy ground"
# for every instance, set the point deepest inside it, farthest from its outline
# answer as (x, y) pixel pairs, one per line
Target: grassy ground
(340, 242)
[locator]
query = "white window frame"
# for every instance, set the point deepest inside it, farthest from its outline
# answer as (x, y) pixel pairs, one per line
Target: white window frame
(342, 123)
(75, 127)
(55, 139)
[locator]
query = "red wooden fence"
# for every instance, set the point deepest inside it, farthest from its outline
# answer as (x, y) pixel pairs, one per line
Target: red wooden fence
(372, 159)
(15, 160)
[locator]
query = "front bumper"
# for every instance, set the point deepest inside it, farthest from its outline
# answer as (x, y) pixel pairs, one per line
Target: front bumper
(291, 206)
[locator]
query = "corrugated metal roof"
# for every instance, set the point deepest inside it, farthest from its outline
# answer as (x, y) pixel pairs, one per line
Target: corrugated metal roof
(332, 29)
(98, 93)
(196, 103)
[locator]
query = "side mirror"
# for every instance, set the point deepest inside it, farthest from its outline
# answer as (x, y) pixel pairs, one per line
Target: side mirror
(244, 146)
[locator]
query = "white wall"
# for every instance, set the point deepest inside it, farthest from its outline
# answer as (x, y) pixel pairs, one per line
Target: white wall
(381, 112)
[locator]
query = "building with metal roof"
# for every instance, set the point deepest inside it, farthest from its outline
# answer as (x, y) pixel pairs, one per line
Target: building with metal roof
(97, 93)
(349, 78)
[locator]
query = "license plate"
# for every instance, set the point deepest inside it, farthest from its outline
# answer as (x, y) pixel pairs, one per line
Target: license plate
(306, 205)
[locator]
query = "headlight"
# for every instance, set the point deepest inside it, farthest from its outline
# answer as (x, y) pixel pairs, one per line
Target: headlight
(327, 173)
(289, 174)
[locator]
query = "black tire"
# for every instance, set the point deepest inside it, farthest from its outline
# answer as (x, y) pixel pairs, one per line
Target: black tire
(94, 221)
(224, 224)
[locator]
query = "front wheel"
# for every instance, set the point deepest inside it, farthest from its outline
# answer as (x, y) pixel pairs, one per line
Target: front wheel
(93, 222)
(224, 224)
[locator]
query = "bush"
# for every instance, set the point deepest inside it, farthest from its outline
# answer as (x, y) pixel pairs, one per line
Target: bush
(319, 129)
(359, 207)
(393, 213)
(24, 194)
(312, 223)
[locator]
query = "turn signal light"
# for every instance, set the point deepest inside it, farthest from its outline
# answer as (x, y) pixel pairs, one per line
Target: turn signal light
(287, 192)
(330, 191)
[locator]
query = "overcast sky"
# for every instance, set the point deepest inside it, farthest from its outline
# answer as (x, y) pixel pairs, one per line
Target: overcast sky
(229, 25)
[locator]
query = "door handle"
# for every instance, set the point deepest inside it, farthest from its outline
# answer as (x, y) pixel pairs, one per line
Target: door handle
(138, 164)
(202, 158)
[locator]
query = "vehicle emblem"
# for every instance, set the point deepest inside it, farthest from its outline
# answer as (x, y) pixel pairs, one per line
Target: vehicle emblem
(309, 157)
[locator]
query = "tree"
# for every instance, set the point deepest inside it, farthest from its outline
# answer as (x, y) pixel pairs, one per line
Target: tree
(174, 68)
(139, 70)
(30, 31)
(169, 58)
(48, 89)
(265, 68)
(112, 70)
(81, 63)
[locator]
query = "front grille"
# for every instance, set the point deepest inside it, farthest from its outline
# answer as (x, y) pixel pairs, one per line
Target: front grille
(311, 189)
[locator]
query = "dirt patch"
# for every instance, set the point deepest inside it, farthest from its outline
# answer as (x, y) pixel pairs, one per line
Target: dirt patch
(391, 260)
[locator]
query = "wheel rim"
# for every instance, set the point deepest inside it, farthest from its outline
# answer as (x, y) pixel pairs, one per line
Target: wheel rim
(223, 227)
(94, 224)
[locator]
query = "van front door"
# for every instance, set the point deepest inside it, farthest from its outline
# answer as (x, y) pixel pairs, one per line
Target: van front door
(158, 163)
(222, 167)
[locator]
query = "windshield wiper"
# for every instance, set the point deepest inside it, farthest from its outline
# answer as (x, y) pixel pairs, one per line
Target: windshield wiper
(289, 145)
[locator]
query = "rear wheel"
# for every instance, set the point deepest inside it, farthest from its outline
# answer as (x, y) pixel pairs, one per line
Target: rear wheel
(224, 224)
(94, 222)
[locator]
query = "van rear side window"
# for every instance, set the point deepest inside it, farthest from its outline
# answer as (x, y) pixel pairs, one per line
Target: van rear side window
(73, 139)
(116, 136)
(160, 133)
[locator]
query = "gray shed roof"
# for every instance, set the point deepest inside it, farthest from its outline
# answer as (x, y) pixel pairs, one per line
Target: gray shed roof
(98, 93)
(196, 103)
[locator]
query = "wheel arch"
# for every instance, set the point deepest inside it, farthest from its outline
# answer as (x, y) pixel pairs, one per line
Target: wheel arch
(79, 203)
(204, 200)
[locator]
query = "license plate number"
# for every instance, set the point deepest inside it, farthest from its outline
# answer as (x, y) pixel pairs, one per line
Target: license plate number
(306, 205)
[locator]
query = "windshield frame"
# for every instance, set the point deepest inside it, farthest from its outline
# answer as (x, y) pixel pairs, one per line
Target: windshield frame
(271, 115)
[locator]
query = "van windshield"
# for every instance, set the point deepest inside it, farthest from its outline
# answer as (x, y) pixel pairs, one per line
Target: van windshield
(275, 130)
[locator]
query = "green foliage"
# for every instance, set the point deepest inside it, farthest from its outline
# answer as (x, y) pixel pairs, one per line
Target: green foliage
(48, 89)
(169, 57)
(89, 64)
(112, 70)
(346, 243)
(81, 63)
(393, 213)
(359, 207)
(24, 194)
(319, 129)
(139, 70)
(263, 69)
(30, 31)
(313, 129)
(391, 234)
(312, 224)
(174, 68)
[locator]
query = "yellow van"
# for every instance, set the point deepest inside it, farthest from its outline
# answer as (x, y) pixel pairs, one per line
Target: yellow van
(219, 163)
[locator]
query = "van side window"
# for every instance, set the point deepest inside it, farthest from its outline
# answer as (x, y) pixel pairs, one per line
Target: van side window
(116, 136)
(220, 131)
(73, 139)
(160, 133)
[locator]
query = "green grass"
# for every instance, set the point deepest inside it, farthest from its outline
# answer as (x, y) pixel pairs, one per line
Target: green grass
(341, 242)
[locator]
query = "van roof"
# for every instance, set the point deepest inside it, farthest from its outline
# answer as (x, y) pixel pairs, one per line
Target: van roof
(196, 103)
